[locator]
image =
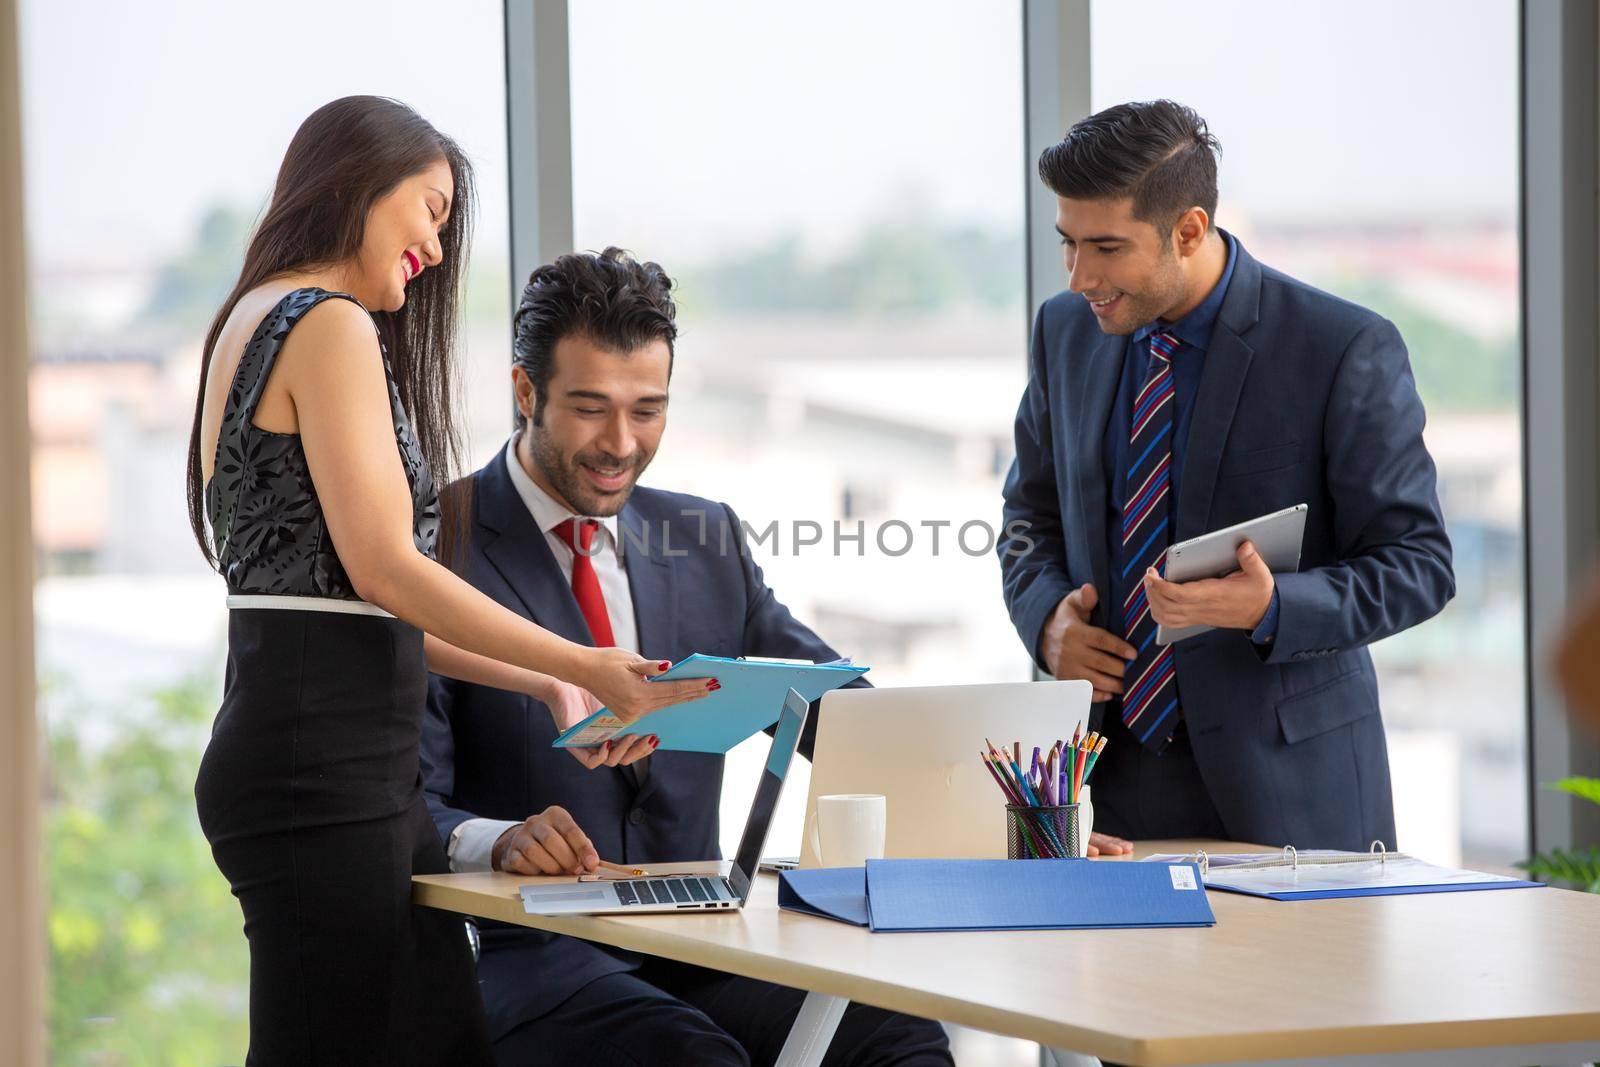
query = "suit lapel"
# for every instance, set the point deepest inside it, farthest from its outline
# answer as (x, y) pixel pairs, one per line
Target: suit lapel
(1090, 395)
(655, 610)
(1227, 361)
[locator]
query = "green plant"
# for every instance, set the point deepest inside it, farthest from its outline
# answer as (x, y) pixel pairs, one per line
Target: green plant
(147, 964)
(1576, 868)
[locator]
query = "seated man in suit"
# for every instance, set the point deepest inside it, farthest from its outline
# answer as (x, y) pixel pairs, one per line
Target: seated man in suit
(555, 529)
(1176, 387)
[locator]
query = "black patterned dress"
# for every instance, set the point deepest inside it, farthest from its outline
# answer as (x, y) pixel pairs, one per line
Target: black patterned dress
(310, 789)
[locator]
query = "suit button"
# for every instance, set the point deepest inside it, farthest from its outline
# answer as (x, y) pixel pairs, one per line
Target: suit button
(636, 816)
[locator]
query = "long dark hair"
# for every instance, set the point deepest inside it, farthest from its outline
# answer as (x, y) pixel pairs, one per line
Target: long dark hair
(343, 159)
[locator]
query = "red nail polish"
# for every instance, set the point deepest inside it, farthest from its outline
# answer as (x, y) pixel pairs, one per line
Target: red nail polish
(665, 664)
(713, 684)
(654, 740)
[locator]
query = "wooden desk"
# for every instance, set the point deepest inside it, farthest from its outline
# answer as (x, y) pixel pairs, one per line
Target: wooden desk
(1512, 974)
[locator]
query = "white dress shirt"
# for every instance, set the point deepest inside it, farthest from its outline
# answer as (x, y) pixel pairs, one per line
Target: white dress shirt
(472, 843)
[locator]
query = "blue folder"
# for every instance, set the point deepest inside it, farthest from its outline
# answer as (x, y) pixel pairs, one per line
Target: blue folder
(750, 700)
(828, 892)
(922, 895)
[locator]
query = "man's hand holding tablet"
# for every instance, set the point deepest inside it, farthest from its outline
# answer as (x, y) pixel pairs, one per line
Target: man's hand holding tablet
(1224, 579)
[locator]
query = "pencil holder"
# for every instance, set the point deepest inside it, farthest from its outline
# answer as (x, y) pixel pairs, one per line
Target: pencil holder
(1042, 833)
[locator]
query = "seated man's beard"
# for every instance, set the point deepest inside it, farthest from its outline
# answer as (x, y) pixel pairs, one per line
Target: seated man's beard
(566, 475)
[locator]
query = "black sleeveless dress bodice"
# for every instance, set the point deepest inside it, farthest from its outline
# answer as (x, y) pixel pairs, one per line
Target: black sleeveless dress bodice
(266, 523)
(310, 790)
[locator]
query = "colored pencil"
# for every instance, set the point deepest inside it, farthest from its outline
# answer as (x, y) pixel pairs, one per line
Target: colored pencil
(1093, 759)
(1054, 777)
(1010, 794)
(1005, 771)
(1004, 788)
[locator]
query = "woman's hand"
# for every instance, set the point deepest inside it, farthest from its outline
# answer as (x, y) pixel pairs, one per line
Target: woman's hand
(618, 679)
(570, 705)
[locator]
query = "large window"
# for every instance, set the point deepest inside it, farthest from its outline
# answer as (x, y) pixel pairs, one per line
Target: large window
(152, 136)
(839, 196)
(1371, 149)
(839, 190)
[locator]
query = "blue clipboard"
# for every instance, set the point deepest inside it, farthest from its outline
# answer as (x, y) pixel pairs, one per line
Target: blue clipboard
(749, 701)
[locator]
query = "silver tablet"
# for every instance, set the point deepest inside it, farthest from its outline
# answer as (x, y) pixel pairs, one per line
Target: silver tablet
(1276, 536)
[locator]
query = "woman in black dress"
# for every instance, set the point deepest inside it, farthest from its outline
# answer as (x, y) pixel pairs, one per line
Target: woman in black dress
(323, 407)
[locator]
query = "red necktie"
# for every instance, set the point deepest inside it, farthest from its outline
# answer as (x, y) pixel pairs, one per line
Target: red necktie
(585, 583)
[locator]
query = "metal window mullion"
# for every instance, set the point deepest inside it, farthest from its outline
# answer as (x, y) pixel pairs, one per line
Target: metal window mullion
(1561, 383)
(1055, 94)
(538, 134)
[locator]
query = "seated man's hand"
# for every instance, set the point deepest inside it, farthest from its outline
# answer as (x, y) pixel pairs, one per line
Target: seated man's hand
(1106, 845)
(570, 705)
(547, 843)
(1236, 602)
(1073, 649)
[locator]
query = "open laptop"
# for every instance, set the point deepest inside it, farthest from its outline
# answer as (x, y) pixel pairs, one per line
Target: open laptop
(919, 746)
(709, 885)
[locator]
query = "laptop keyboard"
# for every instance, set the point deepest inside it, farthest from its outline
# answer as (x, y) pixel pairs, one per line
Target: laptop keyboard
(667, 891)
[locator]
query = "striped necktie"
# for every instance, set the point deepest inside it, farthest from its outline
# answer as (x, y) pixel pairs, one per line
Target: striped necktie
(1150, 693)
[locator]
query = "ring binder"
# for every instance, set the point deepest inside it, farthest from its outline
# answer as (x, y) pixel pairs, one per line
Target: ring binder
(1319, 875)
(1378, 853)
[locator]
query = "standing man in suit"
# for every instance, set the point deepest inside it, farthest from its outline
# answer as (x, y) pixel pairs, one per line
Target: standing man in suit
(558, 531)
(1177, 387)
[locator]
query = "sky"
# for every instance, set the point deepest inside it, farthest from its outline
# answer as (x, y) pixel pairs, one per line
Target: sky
(139, 116)
(703, 125)
(1345, 108)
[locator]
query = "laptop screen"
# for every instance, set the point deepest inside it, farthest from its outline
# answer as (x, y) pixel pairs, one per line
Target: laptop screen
(784, 741)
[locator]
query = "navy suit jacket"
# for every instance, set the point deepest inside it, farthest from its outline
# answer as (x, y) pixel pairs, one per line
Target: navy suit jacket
(1304, 398)
(486, 752)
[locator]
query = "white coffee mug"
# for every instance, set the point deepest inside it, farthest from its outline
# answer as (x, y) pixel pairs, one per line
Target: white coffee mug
(1085, 821)
(849, 828)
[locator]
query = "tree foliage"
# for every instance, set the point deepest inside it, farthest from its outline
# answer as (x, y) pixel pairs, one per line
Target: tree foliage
(148, 964)
(1577, 868)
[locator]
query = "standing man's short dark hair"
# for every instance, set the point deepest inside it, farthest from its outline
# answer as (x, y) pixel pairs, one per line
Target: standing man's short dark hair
(610, 298)
(1159, 153)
